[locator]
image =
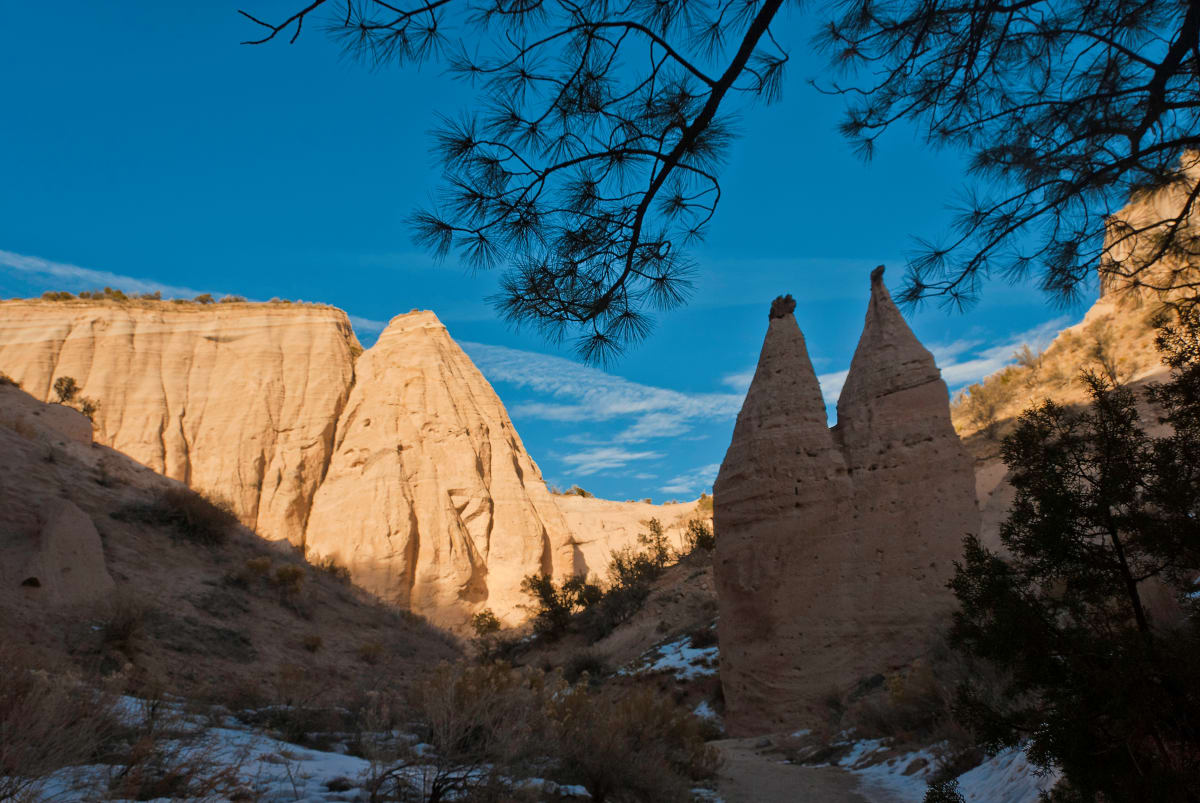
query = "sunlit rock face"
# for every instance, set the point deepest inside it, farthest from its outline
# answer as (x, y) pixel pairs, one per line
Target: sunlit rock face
(834, 546)
(430, 498)
(399, 462)
(239, 401)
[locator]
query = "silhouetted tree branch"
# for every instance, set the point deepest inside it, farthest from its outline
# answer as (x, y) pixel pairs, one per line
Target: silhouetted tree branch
(1067, 109)
(596, 161)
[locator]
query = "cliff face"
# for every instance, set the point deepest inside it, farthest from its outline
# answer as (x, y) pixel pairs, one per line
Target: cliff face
(835, 546)
(238, 401)
(401, 463)
(431, 500)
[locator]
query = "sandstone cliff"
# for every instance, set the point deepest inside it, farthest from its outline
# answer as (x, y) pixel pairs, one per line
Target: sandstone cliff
(834, 546)
(236, 400)
(400, 462)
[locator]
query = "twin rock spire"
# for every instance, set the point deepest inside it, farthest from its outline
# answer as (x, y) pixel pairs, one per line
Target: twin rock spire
(835, 544)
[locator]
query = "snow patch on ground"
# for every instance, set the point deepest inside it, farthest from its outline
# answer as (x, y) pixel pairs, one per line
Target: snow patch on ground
(678, 657)
(273, 771)
(1007, 777)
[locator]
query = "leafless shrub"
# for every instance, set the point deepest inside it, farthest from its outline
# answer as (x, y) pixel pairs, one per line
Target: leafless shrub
(631, 742)
(699, 536)
(163, 756)
(65, 389)
(124, 627)
(983, 401)
(1102, 350)
(483, 723)
(47, 722)
(190, 514)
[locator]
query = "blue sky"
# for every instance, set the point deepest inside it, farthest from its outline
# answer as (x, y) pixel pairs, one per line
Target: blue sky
(141, 146)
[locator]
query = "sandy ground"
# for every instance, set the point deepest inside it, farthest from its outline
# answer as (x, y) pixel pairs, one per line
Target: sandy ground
(751, 774)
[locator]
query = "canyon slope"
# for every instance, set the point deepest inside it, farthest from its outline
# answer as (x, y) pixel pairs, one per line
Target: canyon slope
(399, 462)
(94, 575)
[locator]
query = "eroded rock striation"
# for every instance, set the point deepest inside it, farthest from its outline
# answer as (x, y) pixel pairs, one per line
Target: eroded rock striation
(835, 545)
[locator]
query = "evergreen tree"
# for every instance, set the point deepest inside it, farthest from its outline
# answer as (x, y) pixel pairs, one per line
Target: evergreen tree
(1090, 608)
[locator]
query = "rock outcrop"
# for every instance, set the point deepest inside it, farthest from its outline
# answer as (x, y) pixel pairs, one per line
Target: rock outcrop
(64, 563)
(401, 463)
(598, 526)
(431, 499)
(835, 545)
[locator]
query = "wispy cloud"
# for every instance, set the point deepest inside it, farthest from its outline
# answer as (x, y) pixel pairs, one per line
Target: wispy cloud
(739, 381)
(79, 278)
(366, 324)
(582, 393)
(966, 361)
(74, 277)
(693, 482)
(605, 458)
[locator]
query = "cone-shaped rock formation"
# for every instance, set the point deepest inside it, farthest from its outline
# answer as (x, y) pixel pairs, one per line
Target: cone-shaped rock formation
(430, 499)
(834, 546)
(784, 513)
(914, 482)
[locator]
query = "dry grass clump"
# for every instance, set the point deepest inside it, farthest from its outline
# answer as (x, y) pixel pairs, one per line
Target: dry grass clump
(370, 652)
(124, 628)
(492, 724)
(47, 722)
(188, 513)
(289, 578)
(51, 722)
(330, 566)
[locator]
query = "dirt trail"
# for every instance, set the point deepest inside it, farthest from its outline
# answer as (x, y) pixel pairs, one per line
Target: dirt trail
(750, 773)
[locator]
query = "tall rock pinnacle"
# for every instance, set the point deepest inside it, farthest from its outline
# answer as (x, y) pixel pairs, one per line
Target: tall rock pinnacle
(784, 554)
(913, 481)
(834, 546)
